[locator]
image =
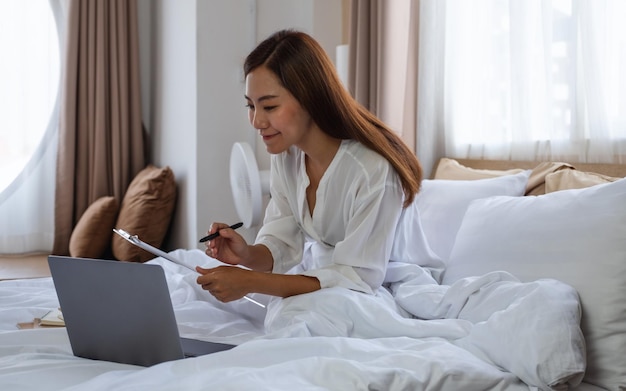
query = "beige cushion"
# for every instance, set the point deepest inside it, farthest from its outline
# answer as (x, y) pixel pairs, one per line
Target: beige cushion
(452, 169)
(537, 180)
(92, 235)
(146, 211)
(574, 179)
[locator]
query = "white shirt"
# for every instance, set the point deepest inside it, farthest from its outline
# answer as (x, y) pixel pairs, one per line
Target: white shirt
(348, 240)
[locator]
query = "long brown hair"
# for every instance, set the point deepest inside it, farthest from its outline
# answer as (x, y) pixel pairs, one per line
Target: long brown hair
(306, 71)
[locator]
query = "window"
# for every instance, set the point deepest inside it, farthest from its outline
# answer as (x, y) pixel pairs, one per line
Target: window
(29, 76)
(535, 76)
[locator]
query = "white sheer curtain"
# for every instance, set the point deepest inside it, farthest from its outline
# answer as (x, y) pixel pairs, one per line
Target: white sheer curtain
(27, 204)
(533, 79)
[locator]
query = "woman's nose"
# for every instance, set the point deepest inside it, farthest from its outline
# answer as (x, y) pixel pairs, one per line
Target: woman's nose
(259, 121)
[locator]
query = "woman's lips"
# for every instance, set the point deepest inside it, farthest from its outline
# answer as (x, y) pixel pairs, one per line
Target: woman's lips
(269, 136)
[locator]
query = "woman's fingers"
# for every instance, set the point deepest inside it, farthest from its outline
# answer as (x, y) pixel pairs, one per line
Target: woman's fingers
(223, 282)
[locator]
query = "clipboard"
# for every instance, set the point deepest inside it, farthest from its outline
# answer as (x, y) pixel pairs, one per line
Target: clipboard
(134, 239)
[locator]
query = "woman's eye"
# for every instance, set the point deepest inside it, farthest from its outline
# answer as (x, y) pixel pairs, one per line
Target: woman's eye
(269, 108)
(249, 106)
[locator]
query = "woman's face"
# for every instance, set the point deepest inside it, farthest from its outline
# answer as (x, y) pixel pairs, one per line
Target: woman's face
(275, 113)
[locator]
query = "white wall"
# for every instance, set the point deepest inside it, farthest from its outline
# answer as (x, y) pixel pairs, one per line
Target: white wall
(173, 106)
(225, 36)
(192, 52)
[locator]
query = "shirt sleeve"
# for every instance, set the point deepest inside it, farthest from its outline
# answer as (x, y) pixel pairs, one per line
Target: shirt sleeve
(280, 232)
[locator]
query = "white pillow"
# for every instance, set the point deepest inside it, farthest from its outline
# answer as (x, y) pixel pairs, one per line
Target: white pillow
(575, 236)
(442, 204)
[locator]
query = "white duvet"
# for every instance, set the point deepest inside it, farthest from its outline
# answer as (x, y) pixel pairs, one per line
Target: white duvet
(484, 333)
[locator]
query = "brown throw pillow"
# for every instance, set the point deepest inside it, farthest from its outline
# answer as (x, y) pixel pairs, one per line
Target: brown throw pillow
(92, 235)
(146, 211)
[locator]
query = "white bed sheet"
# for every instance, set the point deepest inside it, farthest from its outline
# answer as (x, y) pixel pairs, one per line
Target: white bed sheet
(321, 341)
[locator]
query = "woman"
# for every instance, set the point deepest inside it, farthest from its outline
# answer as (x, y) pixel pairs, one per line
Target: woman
(339, 180)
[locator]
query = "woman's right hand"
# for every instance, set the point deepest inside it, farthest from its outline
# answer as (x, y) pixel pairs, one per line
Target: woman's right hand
(229, 247)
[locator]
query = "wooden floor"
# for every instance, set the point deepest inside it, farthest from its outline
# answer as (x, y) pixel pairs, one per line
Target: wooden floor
(24, 266)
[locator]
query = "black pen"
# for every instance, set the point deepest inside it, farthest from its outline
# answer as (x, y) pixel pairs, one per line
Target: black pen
(216, 234)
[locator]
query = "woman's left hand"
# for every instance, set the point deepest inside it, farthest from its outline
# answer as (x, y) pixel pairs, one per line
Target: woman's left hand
(226, 283)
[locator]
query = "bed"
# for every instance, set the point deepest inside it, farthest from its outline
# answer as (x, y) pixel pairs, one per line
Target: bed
(504, 276)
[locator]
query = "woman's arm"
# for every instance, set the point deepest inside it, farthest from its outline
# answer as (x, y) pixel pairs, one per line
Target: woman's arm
(259, 258)
(228, 283)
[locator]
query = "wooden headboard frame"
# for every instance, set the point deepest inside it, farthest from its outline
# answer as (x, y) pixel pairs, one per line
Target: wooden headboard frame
(614, 170)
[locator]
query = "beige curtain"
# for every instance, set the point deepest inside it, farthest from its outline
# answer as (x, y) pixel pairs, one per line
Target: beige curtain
(383, 57)
(409, 105)
(101, 137)
(363, 62)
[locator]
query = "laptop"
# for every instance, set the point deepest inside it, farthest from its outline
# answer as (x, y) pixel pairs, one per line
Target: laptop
(121, 312)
